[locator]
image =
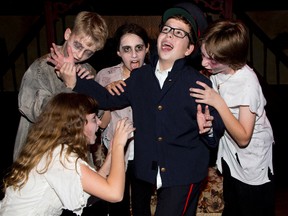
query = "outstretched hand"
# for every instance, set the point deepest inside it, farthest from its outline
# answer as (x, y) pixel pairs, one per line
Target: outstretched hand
(122, 133)
(57, 58)
(204, 120)
(116, 87)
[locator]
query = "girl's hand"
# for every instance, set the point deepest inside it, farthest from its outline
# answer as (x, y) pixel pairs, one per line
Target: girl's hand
(123, 129)
(116, 87)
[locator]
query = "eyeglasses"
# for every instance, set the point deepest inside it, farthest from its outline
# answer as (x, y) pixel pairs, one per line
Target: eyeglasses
(176, 32)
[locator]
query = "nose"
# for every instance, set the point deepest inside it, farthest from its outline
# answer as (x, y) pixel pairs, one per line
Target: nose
(204, 61)
(134, 53)
(98, 121)
(80, 55)
(170, 33)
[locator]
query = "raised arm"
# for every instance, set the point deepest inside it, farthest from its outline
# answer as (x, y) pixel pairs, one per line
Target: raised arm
(58, 59)
(111, 188)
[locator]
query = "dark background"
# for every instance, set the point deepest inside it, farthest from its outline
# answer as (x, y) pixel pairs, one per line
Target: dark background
(127, 7)
(275, 97)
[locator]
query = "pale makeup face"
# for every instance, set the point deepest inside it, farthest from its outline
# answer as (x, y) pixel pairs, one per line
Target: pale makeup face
(169, 46)
(91, 127)
(132, 51)
(81, 46)
(211, 65)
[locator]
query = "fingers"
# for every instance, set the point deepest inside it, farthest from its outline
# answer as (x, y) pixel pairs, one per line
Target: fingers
(207, 112)
(69, 51)
(126, 124)
(111, 90)
(57, 58)
(83, 72)
(89, 76)
(67, 68)
(124, 128)
(55, 53)
(116, 87)
(55, 47)
(202, 84)
(120, 83)
(197, 93)
(52, 61)
(199, 108)
(204, 119)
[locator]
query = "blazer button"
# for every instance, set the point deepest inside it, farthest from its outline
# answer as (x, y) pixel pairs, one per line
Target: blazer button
(160, 139)
(163, 169)
(160, 107)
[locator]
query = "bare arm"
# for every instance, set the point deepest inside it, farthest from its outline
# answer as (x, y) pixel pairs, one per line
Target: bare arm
(111, 188)
(240, 129)
(105, 119)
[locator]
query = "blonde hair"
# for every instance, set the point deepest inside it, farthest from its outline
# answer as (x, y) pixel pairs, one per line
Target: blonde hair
(92, 25)
(61, 123)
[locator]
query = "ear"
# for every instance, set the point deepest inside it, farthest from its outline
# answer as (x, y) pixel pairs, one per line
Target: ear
(118, 53)
(190, 49)
(147, 48)
(67, 34)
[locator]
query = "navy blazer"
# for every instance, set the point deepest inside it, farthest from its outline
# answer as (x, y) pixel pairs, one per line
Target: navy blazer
(167, 134)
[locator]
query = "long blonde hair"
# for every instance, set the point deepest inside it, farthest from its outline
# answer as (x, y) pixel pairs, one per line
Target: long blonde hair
(61, 123)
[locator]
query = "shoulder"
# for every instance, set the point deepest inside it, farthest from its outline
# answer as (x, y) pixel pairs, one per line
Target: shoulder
(143, 71)
(195, 74)
(248, 77)
(108, 71)
(64, 160)
(109, 74)
(41, 62)
(39, 68)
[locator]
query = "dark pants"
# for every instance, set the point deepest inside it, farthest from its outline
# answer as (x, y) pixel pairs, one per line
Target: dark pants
(178, 200)
(141, 193)
(241, 199)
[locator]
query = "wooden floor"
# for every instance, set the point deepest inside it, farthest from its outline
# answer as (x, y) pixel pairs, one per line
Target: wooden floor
(276, 112)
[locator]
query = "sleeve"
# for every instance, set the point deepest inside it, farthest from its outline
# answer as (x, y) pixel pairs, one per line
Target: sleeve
(37, 88)
(66, 182)
(254, 98)
(101, 94)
